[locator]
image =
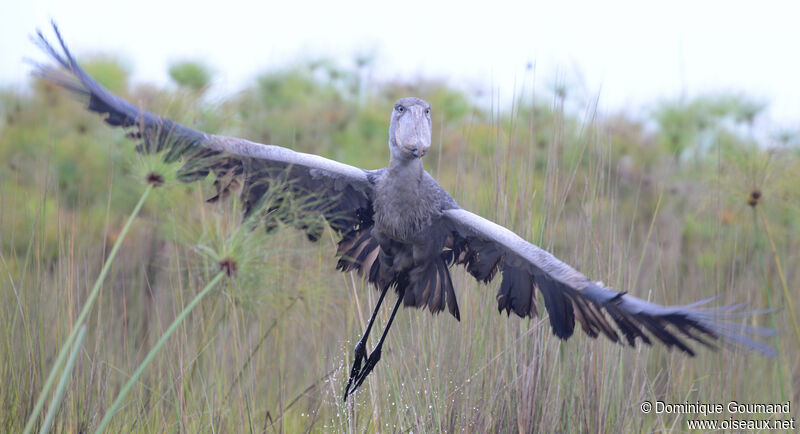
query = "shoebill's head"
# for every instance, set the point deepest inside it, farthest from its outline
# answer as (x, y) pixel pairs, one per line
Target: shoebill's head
(410, 129)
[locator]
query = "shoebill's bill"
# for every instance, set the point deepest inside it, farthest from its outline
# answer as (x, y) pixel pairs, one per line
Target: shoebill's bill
(401, 230)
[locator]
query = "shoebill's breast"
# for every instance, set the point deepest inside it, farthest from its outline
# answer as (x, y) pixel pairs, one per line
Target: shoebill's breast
(408, 206)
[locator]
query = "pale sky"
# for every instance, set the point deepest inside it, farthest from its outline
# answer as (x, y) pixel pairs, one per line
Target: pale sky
(631, 53)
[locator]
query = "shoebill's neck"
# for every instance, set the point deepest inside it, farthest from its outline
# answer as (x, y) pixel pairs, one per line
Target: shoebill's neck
(408, 169)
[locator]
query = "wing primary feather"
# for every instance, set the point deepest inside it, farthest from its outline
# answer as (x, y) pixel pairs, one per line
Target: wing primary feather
(483, 247)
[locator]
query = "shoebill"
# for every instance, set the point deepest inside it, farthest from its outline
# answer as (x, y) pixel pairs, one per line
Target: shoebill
(401, 230)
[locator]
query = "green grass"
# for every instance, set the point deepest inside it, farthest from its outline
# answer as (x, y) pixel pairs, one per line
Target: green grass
(270, 351)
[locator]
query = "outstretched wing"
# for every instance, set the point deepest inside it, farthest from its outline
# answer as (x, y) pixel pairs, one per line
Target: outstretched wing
(484, 248)
(237, 163)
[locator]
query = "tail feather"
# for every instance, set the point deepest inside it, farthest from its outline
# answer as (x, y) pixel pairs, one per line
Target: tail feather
(452, 303)
(430, 285)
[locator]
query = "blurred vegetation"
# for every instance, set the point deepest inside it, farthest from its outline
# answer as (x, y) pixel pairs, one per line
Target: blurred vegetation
(672, 208)
(192, 75)
(704, 122)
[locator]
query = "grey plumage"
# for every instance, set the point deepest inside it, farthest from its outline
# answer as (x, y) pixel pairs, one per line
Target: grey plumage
(401, 229)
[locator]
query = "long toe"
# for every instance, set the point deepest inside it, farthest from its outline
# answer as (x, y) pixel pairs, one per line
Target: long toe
(347, 389)
(353, 375)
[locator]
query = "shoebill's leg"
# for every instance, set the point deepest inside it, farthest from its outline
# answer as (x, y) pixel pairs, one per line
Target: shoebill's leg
(360, 350)
(375, 355)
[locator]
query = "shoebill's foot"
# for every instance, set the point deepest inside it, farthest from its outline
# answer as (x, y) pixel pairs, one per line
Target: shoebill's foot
(359, 373)
(360, 353)
(373, 359)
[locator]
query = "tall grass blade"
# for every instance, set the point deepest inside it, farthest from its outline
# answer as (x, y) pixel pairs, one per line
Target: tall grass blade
(84, 313)
(151, 355)
(789, 300)
(770, 305)
(62, 384)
